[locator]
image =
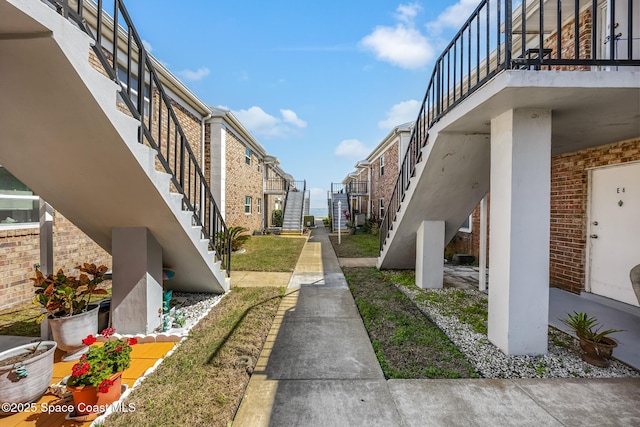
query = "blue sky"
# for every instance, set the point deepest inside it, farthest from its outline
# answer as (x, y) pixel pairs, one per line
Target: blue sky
(318, 84)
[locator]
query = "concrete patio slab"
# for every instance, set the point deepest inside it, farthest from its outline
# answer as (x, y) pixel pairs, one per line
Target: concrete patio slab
(580, 402)
(357, 262)
(477, 402)
(246, 279)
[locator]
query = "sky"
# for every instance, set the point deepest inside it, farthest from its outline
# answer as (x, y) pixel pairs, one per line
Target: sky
(318, 84)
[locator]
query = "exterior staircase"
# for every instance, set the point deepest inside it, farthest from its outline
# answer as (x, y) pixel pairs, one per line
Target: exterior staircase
(338, 213)
(446, 168)
(65, 136)
(292, 221)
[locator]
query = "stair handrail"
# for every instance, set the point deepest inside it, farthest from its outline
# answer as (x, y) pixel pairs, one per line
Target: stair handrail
(454, 78)
(197, 195)
(304, 190)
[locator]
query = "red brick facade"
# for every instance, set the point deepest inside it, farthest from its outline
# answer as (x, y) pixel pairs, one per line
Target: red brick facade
(242, 180)
(382, 184)
(20, 250)
(569, 204)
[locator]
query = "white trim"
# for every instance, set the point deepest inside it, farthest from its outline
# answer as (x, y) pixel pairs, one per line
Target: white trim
(19, 226)
(468, 229)
(250, 205)
(587, 245)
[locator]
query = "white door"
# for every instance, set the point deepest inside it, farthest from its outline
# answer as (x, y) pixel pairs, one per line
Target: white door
(614, 231)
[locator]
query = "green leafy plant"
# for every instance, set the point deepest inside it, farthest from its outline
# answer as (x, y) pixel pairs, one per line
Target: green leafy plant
(237, 238)
(277, 218)
(62, 296)
(587, 327)
(102, 361)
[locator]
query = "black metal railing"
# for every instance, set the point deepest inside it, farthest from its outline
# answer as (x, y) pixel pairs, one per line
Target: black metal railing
(124, 58)
(535, 35)
(276, 185)
(357, 187)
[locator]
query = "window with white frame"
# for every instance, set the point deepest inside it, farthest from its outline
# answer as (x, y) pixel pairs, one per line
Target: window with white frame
(259, 205)
(247, 205)
(382, 165)
(247, 156)
(381, 208)
(467, 227)
(18, 204)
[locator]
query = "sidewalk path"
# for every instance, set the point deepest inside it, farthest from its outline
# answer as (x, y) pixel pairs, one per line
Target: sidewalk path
(318, 369)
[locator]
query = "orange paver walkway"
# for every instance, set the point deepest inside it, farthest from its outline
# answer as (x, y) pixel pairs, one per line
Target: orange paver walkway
(143, 357)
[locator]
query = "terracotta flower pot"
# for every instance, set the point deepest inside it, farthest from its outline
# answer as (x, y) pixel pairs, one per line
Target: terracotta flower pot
(69, 332)
(88, 400)
(15, 388)
(597, 354)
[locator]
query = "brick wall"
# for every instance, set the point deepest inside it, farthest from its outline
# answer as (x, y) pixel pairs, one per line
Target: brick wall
(569, 208)
(382, 185)
(568, 222)
(568, 48)
(242, 180)
(20, 251)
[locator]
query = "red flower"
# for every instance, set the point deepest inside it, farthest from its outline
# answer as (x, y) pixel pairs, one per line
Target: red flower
(133, 341)
(90, 339)
(107, 332)
(84, 356)
(118, 349)
(80, 369)
(104, 386)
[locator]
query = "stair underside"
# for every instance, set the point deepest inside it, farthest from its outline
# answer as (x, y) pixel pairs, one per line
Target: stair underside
(63, 136)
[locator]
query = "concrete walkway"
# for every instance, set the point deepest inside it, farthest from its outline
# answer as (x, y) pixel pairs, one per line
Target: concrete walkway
(318, 369)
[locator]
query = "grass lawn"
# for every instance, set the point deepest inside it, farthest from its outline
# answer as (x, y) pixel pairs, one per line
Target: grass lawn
(203, 381)
(21, 320)
(268, 253)
(361, 245)
(407, 343)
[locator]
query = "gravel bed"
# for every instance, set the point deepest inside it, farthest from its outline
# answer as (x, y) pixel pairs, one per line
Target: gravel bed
(561, 361)
(194, 306)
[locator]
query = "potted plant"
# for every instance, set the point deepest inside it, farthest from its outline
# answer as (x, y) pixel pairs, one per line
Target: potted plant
(596, 346)
(65, 300)
(25, 372)
(96, 379)
(350, 224)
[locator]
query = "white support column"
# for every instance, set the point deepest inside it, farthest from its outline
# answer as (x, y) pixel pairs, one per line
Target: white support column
(46, 254)
(430, 254)
(519, 226)
(482, 282)
(136, 303)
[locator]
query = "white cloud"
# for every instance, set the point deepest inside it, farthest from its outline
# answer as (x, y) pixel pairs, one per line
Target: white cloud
(351, 148)
(403, 112)
(199, 74)
(260, 123)
(243, 76)
(291, 117)
(407, 12)
(402, 45)
(452, 17)
(147, 46)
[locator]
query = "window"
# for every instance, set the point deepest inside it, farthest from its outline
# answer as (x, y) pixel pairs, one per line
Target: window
(18, 204)
(381, 208)
(466, 226)
(259, 205)
(247, 156)
(122, 76)
(382, 165)
(247, 205)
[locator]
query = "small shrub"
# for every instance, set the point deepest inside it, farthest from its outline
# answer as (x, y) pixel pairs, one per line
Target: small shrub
(237, 238)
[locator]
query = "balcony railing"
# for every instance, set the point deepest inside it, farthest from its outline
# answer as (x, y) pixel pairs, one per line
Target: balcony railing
(522, 35)
(357, 187)
(276, 185)
(125, 60)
